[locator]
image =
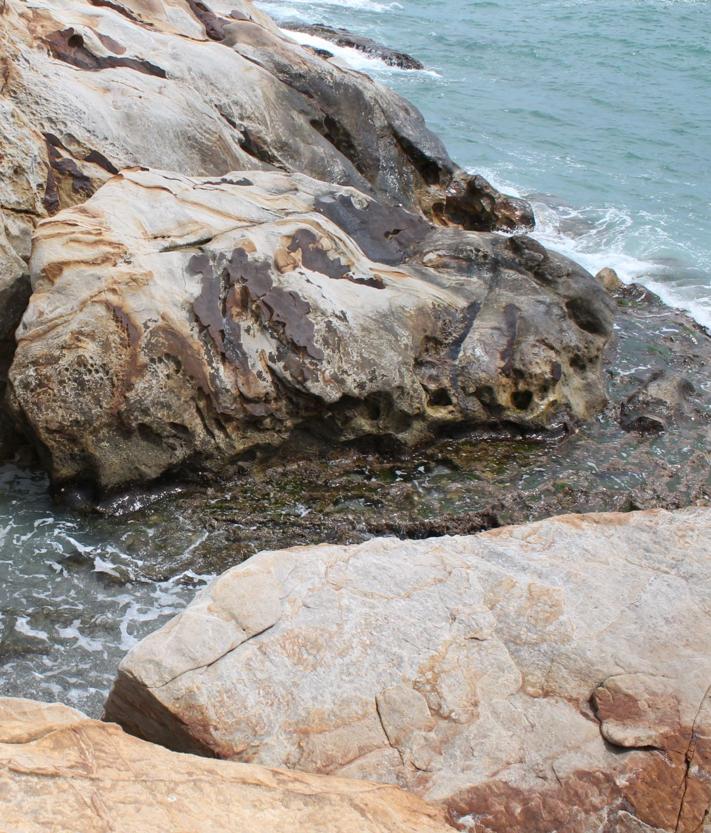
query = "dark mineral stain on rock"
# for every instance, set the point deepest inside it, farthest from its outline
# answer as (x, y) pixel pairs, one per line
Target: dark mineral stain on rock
(384, 233)
(97, 158)
(61, 167)
(284, 311)
(316, 259)
(214, 25)
(111, 44)
(116, 7)
(68, 45)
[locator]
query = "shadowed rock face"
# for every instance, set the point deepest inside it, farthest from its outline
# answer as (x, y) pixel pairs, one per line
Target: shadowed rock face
(180, 320)
(541, 678)
(62, 771)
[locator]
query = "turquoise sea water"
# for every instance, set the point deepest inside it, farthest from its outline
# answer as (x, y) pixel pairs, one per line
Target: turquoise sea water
(597, 110)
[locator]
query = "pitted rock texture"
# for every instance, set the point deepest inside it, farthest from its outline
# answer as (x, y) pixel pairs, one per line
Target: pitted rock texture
(180, 320)
(88, 87)
(60, 771)
(541, 678)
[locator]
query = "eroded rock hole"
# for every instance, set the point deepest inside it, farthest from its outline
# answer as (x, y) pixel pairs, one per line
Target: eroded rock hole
(522, 399)
(585, 316)
(440, 398)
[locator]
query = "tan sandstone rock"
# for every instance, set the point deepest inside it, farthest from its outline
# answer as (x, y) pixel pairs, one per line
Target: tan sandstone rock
(62, 772)
(541, 678)
(88, 87)
(181, 319)
(609, 279)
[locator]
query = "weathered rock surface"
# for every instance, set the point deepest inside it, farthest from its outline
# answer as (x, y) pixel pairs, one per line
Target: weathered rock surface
(661, 399)
(177, 319)
(539, 678)
(342, 37)
(609, 279)
(90, 86)
(60, 771)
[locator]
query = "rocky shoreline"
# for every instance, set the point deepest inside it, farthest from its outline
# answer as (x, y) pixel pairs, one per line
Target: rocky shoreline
(342, 37)
(247, 295)
(533, 678)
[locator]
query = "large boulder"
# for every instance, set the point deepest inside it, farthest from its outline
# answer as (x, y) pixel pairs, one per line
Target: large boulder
(60, 771)
(90, 86)
(180, 320)
(541, 678)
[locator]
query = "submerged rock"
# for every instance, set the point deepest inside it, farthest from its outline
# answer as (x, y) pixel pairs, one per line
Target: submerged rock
(342, 37)
(661, 399)
(181, 320)
(61, 771)
(533, 679)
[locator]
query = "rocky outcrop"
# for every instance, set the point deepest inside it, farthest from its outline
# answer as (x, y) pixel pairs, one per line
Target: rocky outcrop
(61, 771)
(533, 679)
(349, 40)
(180, 320)
(88, 87)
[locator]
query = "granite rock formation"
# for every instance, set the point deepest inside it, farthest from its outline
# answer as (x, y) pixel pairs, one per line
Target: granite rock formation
(60, 771)
(547, 677)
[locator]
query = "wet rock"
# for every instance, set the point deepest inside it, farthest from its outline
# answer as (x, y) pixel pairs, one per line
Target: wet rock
(609, 279)
(342, 37)
(661, 398)
(182, 320)
(19, 641)
(61, 771)
(540, 678)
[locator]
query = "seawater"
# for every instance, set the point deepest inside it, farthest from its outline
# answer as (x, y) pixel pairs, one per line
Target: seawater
(598, 111)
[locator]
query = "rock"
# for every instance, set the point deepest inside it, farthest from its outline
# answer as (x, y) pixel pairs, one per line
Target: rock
(609, 279)
(180, 320)
(532, 679)
(661, 399)
(342, 37)
(91, 87)
(306, 491)
(61, 771)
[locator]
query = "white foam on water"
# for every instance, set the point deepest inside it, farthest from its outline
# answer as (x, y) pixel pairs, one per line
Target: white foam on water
(596, 237)
(22, 625)
(351, 57)
(306, 8)
(85, 642)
